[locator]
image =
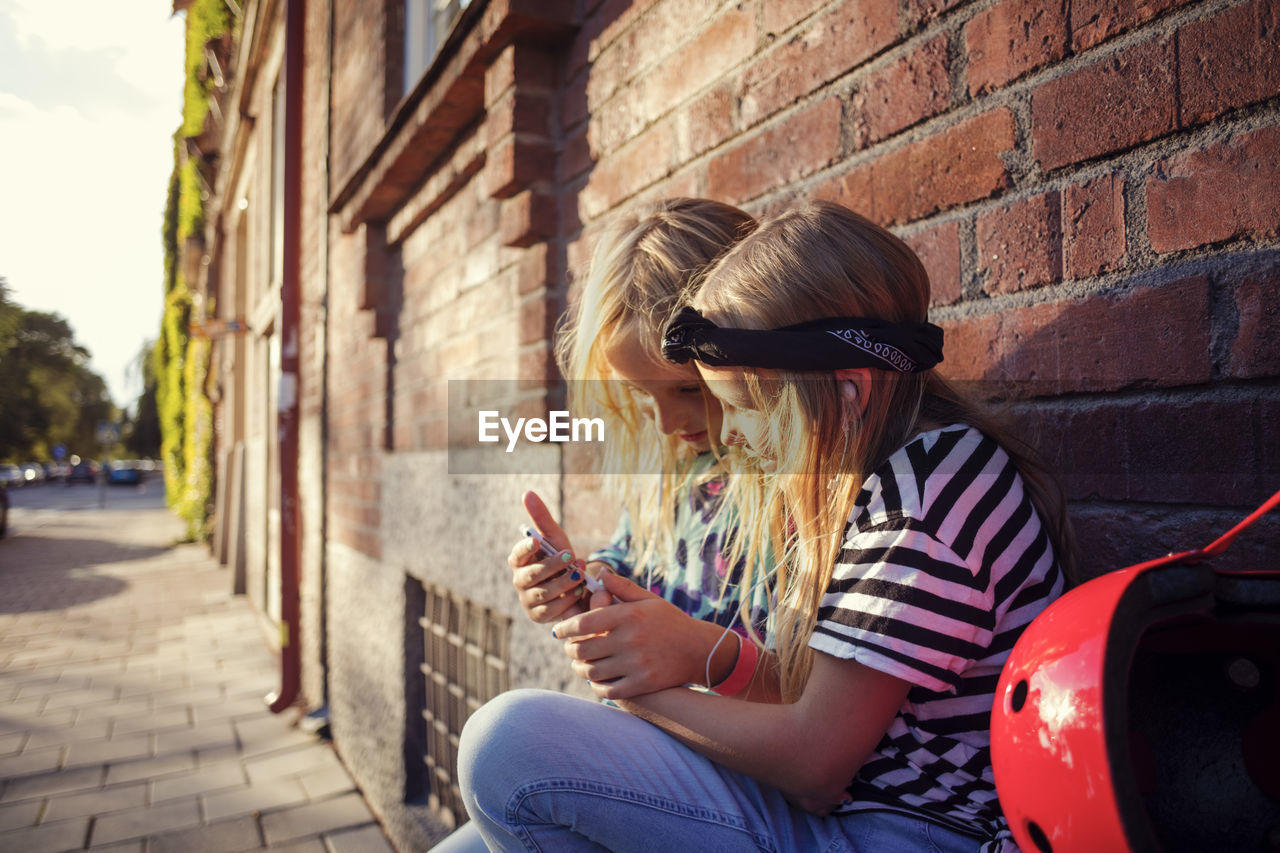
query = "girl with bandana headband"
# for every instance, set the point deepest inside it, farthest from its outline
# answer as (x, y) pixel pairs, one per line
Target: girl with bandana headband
(917, 540)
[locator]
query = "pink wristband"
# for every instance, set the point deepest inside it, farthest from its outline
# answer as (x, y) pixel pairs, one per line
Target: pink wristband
(743, 670)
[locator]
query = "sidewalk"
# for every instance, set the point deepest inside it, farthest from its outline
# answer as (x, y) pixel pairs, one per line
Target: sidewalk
(132, 715)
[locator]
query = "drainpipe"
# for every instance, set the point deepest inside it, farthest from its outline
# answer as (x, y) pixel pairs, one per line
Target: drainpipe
(287, 414)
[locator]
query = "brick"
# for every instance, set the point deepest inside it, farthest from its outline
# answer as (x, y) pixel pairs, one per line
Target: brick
(782, 154)
(59, 835)
(517, 111)
(921, 12)
(534, 269)
(1113, 104)
(534, 320)
(781, 15)
(517, 163)
(19, 814)
(575, 156)
(939, 250)
(1228, 61)
(1111, 538)
(1255, 351)
(1103, 342)
(707, 57)
(1093, 229)
(262, 797)
(527, 218)
(1011, 38)
(527, 66)
(1095, 21)
(957, 165)
(344, 812)
(704, 123)
(641, 47)
(136, 823)
(1200, 448)
(225, 837)
(625, 173)
(908, 91)
(291, 764)
(829, 47)
(111, 799)
(368, 839)
(1230, 189)
(1020, 246)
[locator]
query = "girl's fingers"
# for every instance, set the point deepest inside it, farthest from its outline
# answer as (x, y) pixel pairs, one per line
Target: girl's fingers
(545, 522)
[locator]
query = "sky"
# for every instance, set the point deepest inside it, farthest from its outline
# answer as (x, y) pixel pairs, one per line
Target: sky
(90, 95)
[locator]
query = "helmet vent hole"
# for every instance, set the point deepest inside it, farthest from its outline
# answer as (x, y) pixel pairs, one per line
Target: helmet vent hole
(1244, 673)
(1019, 697)
(1038, 837)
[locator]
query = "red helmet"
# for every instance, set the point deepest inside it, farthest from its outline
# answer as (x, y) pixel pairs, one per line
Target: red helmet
(1141, 711)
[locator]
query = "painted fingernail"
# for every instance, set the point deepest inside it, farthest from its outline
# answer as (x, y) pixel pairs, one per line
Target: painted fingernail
(553, 633)
(565, 556)
(575, 575)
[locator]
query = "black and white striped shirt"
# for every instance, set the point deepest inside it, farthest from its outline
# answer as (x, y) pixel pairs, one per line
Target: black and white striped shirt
(944, 562)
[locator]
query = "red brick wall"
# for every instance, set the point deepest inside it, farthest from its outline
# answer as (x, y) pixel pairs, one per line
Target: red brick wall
(1093, 186)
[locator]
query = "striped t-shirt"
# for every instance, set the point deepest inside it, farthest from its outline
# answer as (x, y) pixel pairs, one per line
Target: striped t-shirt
(944, 562)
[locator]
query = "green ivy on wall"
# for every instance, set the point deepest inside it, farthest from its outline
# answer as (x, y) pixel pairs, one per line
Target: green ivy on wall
(181, 362)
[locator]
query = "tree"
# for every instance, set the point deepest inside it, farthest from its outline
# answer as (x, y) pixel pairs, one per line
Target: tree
(48, 394)
(142, 432)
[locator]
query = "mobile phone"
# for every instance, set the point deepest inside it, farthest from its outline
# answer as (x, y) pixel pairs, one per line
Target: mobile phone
(546, 549)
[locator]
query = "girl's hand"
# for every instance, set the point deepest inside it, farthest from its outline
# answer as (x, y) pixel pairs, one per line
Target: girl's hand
(549, 588)
(638, 644)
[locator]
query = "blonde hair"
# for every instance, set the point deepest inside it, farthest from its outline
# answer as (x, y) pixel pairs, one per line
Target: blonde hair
(642, 268)
(820, 261)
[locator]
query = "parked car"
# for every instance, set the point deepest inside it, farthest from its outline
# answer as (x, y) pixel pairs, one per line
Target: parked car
(82, 472)
(11, 475)
(123, 472)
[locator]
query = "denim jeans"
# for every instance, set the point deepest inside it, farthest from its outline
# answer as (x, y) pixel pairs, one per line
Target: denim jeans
(542, 771)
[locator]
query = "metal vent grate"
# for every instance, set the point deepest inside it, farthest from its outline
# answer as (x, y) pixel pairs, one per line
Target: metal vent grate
(466, 662)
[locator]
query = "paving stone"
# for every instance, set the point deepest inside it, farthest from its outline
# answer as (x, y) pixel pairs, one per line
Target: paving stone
(173, 718)
(347, 811)
(294, 762)
(192, 739)
(19, 815)
(97, 802)
(31, 761)
(47, 837)
(12, 743)
(137, 823)
(150, 768)
(306, 845)
(58, 782)
(52, 720)
(228, 836)
(63, 735)
(326, 782)
(108, 751)
(204, 781)
(277, 794)
(369, 839)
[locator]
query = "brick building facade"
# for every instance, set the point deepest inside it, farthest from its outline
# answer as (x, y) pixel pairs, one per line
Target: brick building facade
(1093, 185)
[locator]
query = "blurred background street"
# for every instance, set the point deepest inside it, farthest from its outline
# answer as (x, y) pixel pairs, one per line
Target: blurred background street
(132, 685)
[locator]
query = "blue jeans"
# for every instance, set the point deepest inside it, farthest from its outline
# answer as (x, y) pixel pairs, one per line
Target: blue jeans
(542, 771)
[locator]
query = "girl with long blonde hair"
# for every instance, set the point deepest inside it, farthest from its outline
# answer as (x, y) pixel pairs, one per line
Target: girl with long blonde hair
(916, 539)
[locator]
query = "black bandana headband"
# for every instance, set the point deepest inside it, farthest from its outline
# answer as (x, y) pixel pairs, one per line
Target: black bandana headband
(828, 344)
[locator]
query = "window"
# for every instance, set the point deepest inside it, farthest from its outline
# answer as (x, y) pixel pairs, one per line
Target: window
(427, 23)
